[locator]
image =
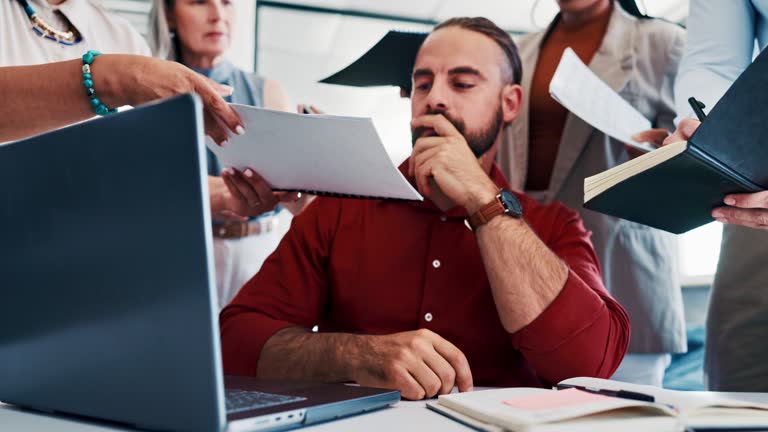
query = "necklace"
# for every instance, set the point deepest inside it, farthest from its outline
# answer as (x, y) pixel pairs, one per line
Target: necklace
(43, 29)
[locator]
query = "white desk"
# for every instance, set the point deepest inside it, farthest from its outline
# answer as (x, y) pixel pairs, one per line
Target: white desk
(403, 417)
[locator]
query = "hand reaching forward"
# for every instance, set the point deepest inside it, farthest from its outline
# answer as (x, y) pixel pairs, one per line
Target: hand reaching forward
(134, 80)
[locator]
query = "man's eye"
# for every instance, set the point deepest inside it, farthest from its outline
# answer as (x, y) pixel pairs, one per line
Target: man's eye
(462, 85)
(422, 87)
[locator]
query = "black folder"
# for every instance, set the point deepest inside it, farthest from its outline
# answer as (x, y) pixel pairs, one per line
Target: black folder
(675, 188)
(388, 63)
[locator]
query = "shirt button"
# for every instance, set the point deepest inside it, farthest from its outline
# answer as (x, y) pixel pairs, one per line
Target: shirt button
(428, 317)
(443, 218)
(436, 263)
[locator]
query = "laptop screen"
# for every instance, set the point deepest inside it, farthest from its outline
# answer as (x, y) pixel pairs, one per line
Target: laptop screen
(107, 305)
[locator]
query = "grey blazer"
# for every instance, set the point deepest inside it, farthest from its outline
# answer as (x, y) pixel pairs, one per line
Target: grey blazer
(638, 59)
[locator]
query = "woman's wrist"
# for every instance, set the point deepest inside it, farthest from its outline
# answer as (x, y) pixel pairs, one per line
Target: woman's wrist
(106, 79)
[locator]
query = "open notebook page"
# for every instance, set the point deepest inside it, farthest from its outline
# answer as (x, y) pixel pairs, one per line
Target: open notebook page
(314, 153)
(687, 402)
(584, 94)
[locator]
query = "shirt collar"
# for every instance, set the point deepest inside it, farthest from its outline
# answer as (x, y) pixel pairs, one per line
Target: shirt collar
(455, 212)
(76, 11)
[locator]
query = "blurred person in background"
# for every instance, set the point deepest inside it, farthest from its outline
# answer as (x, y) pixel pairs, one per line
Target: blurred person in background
(547, 152)
(198, 33)
(723, 38)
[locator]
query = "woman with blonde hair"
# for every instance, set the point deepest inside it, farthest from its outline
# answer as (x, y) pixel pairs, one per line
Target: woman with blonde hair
(197, 33)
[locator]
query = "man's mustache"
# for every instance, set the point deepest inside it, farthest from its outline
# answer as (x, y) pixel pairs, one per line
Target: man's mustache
(421, 131)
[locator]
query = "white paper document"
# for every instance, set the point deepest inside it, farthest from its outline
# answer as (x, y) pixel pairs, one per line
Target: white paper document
(320, 154)
(584, 94)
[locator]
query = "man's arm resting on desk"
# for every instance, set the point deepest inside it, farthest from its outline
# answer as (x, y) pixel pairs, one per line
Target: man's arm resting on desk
(418, 363)
(551, 299)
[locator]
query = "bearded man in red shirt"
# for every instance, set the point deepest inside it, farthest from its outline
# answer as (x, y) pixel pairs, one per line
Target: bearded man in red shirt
(405, 296)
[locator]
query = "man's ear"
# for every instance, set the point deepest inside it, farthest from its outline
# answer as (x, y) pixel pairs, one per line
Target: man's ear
(511, 101)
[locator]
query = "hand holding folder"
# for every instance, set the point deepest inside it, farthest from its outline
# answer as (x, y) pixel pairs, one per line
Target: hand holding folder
(684, 184)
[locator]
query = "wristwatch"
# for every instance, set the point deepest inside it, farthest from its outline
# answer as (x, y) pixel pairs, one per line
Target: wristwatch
(505, 203)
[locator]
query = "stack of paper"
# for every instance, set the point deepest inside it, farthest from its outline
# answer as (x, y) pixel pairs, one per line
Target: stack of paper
(318, 154)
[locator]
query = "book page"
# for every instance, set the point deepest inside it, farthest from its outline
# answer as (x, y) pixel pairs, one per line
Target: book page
(519, 407)
(334, 154)
(686, 402)
(584, 94)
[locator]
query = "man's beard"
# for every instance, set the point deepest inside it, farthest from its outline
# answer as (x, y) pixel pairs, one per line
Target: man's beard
(479, 142)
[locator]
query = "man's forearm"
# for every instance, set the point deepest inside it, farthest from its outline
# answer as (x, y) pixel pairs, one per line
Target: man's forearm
(297, 353)
(525, 275)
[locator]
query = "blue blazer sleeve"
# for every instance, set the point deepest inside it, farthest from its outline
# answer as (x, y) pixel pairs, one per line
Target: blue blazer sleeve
(720, 45)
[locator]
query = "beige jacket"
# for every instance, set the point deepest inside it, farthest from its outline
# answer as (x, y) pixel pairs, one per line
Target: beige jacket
(638, 59)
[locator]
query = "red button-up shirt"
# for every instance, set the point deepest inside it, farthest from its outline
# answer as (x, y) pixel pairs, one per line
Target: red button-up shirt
(382, 267)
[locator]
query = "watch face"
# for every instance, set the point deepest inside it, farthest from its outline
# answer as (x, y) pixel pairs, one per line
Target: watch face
(511, 203)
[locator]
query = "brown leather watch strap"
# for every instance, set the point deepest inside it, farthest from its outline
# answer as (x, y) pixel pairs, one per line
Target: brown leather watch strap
(486, 213)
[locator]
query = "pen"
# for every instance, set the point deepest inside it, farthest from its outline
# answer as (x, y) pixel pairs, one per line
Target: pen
(698, 108)
(623, 394)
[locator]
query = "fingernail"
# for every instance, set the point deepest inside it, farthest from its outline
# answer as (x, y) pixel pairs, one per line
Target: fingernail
(729, 201)
(248, 173)
(229, 89)
(239, 130)
(223, 143)
(721, 220)
(717, 214)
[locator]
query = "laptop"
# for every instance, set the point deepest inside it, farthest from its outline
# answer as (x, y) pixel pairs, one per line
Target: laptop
(107, 300)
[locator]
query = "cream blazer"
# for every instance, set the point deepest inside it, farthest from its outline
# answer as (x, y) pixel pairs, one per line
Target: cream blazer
(638, 58)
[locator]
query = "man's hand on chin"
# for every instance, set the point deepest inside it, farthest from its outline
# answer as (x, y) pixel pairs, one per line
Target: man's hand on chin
(447, 159)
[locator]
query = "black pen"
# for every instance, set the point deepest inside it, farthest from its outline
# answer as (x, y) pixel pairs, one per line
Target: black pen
(698, 108)
(623, 394)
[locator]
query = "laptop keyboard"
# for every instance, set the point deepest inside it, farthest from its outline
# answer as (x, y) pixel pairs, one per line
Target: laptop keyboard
(244, 400)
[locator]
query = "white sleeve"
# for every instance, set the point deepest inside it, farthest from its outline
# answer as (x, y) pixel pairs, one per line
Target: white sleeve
(720, 45)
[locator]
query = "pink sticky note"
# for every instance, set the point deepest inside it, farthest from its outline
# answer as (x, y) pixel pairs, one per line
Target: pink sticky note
(555, 399)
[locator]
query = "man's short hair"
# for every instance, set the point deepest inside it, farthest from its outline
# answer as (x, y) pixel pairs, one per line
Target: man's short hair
(513, 68)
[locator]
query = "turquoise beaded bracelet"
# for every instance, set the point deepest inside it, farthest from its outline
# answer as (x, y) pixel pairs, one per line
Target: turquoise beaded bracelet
(98, 107)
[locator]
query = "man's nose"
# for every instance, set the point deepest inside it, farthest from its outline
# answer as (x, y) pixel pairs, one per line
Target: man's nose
(437, 99)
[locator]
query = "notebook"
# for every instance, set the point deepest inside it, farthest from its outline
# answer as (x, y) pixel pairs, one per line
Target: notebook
(388, 63)
(538, 410)
(318, 154)
(675, 188)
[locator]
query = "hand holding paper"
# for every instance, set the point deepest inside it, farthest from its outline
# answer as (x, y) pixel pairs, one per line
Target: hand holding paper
(584, 94)
(318, 154)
